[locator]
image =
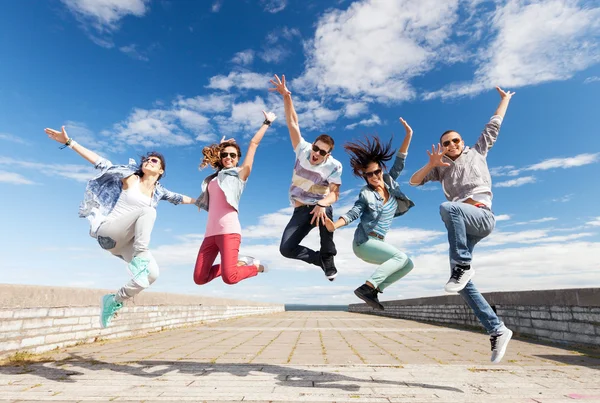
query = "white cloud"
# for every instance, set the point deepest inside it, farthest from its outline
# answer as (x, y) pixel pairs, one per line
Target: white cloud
(516, 182)
(375, 46)
(595, 222)
(216, 6)
(241, 80)
(85, 136)
(592, 79)
(209, 103)
(133, 52)
(372, 121)
(12, 138)
(564, 199)
(354, 109)
(275, 52)
(536, 41)
(80, 173)
(507, 170)
(104, 16)
(570, 162)
(244, 57)
(15, 179)
(313, 115)
(502, 217)
(273, 6)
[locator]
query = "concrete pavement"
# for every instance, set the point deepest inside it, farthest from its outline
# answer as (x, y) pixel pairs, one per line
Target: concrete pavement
(306, 357)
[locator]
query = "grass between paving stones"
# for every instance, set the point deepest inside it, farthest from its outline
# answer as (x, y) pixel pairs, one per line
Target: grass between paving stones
(352, 348)
(293, 348)
(377, 345)
(267, 345)
(214, 360)
(323, 350)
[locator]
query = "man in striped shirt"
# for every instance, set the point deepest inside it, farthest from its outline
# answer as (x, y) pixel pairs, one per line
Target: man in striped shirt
(315, 187)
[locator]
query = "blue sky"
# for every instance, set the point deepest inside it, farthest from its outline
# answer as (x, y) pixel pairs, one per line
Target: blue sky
(129, 76)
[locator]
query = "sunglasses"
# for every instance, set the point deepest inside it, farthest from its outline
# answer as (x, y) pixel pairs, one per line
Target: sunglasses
(231, 155)
(153, 160)
(376, 172)
(455, 140)
(320, 151)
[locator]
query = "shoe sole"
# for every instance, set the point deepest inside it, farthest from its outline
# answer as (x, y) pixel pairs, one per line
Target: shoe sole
(332, 276)
(457, 289)
(503, 351)
(369, 302)
(102, 311)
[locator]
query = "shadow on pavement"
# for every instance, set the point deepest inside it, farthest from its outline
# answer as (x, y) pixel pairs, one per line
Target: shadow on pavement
(286, 376)
(583, 360)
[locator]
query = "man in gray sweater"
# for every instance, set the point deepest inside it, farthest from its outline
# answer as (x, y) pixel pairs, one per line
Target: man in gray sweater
(467, 184)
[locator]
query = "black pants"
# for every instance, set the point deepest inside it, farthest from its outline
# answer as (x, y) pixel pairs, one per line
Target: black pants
(298, 228)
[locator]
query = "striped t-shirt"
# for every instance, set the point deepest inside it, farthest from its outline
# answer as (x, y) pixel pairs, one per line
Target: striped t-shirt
(310, 183)
(387, 215)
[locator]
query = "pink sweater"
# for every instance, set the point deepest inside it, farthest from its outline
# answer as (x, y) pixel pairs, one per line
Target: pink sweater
(222, 218)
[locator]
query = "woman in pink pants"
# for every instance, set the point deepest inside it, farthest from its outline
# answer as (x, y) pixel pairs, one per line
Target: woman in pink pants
(220, 196)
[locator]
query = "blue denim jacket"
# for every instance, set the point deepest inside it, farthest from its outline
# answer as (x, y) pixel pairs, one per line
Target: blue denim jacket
(369, 205)
(103, 191)
(231, 184)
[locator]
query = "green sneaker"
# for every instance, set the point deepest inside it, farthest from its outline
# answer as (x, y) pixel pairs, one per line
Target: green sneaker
(108, 308)
(138, 267)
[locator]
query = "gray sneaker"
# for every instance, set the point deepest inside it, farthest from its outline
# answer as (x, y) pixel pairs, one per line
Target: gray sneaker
(499, 343)
(459, 278)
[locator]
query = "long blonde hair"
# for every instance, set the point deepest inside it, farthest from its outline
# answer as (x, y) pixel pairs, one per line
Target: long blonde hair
(212, 154)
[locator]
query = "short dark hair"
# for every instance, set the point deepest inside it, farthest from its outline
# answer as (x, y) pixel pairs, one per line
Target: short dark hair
(446, 132)
(149, 154)
(363, 152)
(325, 138)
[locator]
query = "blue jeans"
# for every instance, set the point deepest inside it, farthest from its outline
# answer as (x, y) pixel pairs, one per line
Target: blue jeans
(467, 225)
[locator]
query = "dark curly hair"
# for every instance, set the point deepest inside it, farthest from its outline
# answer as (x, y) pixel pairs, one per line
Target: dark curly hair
(363, 152)
(212, 154)
(143, 159)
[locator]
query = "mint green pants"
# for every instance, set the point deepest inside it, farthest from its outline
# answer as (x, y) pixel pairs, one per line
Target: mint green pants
(393, 264)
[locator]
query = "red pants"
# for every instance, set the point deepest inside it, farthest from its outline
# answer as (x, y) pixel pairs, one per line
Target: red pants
(229, 247)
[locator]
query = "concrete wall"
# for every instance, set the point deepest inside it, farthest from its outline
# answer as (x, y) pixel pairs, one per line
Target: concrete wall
(44, 318)
(570, 316)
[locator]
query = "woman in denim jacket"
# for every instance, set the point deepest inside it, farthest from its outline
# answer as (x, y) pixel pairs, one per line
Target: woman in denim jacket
(378, 203)
(120, 203)
(220, 197)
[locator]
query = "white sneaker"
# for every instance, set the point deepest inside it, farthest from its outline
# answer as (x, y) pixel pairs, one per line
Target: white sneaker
(499, 343)
(246, 260)
(459, 278)
(262, 268)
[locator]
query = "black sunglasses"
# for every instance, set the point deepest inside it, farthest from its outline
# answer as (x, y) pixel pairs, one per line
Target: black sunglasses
(376, 172)
(231, 155)
(153, 160)
(320, 151)
(455, 140)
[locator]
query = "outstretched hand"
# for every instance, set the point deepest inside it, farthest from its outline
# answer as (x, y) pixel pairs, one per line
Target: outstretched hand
(408, 129)
(435, 156)
(329, 224)
(270, 116)
(59, 136)
(279, 85)
(231, 140)
(504, 94)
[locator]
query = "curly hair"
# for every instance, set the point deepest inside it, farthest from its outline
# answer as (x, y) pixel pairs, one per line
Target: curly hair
(212, 154)
(363, 152)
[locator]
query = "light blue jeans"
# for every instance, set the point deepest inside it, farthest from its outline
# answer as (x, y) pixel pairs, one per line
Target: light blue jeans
(467, 225)
(393, 264)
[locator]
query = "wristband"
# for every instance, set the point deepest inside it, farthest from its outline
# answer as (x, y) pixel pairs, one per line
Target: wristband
(267, 122)
(320, 205)
(67, 144)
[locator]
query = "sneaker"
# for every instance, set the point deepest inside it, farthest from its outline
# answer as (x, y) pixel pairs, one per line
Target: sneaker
(459, 278)
(369, 295)
(138, 268)
(262, 268)
(245, 261)
(499, 343)
(108, 309)
(328, 266)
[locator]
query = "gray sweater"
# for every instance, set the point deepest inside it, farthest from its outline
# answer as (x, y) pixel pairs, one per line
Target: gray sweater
(469, 173)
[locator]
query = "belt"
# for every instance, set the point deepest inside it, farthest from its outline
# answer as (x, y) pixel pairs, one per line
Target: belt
(376, 235)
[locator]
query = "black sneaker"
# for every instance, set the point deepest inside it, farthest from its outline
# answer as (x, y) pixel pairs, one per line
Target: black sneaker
(328, 266)
(369, 295)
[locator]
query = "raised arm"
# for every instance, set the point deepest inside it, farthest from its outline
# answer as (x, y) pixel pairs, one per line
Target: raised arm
(401, 156)
(63, 138)
(291, 117)
(491, 130)
(428, 171)
(246, 167)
